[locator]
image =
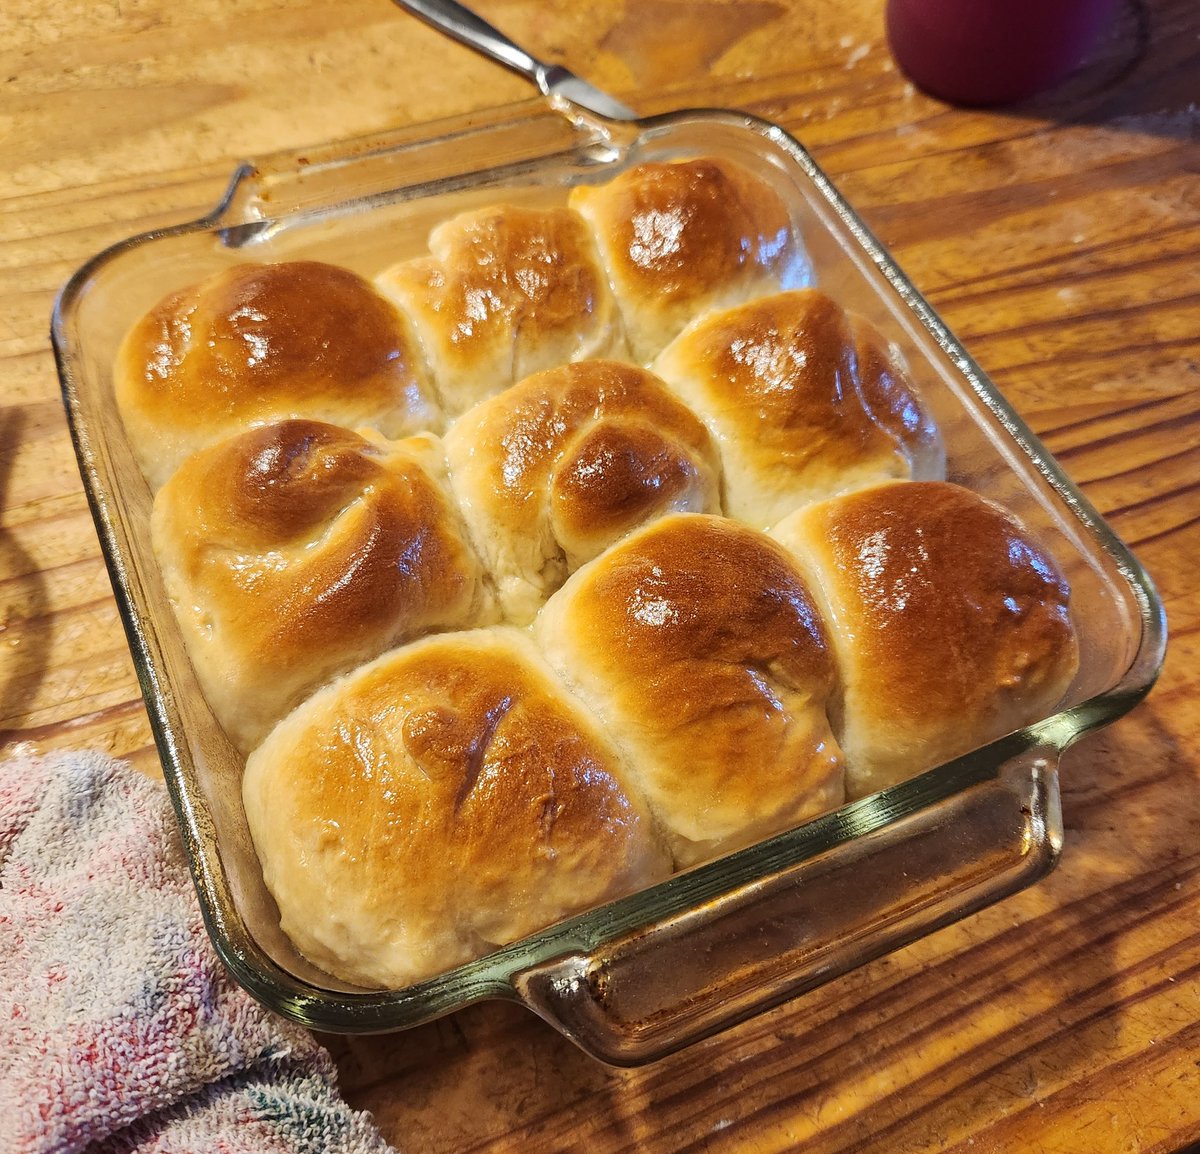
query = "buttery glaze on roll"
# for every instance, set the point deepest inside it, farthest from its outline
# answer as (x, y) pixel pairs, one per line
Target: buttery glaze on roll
(264, 342)
(565, 462)
(696, 642)
(805, 401)
(951, 626)
(505, 292)
(683, 237)
(294, 551)
(448, 798)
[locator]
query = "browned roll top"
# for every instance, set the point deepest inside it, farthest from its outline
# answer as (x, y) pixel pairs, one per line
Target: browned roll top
(679, 238)
(562, 464)
(804, 399)
(298, 549)
(506, 291)
(950, 623)
(614, 476)
(444, 800)
(697, 643)
(257, 343)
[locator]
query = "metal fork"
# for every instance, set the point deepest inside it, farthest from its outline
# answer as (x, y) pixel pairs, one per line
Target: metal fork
(467, 28)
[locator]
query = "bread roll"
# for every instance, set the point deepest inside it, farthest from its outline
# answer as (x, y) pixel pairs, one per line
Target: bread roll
(294, 551)
(263, 342)
(442, 801)
(680, 238)
(697, 644)
(562, 464)
(505, 292)
(951, 626)
(805, 401)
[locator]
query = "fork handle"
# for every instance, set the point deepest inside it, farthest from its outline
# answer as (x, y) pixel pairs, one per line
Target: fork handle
(467, 28)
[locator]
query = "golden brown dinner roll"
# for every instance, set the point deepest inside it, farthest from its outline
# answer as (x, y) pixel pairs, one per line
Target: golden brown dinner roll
(557, 467)
(805, 401)
(951, 626)
(444, 800)
(680, 238)
(506, 291)
(696, 643)
(296, 550)
(263, 342)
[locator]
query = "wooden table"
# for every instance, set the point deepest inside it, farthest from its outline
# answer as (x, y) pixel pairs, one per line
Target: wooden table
(1061, 240)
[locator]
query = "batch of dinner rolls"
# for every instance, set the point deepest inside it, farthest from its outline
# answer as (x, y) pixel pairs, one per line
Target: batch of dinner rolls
(588, 546)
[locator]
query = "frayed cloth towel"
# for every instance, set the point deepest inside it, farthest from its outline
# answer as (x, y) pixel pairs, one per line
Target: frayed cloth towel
(119, 1026)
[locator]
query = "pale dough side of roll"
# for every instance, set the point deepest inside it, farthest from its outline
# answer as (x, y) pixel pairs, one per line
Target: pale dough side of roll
(505, 292)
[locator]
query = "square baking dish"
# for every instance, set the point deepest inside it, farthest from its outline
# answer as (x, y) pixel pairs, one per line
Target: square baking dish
(640, 977)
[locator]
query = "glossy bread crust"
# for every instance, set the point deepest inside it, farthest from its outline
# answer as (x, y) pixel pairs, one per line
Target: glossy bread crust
(505, 292)
(684, 237)
(264, 342)
(804, 399)
(566, 462)
(297, 550)
(950, 623)
(445, 800)
(697, 643)
(424, 785)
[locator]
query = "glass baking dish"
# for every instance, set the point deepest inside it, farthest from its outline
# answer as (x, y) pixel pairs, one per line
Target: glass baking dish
(642, 976)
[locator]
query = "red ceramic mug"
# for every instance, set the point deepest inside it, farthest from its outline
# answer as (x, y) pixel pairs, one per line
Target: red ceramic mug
(988, 52)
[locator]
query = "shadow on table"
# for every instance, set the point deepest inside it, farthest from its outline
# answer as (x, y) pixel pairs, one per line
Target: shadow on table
(1143, 76)
(22, 597)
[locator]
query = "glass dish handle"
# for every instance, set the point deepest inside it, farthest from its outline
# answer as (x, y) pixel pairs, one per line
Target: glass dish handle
(304, 185)
(642, 996)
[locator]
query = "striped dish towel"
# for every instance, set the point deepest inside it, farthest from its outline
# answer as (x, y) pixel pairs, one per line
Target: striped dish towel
(119, 1027)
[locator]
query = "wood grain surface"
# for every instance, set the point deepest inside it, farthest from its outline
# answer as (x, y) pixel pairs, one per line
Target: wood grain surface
(1060, 239)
